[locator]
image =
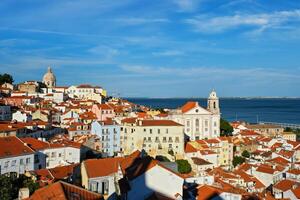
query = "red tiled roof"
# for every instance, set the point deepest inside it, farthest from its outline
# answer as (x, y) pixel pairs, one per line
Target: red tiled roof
(279, 160)
(105, 107)
(160, 123)
(200, 161)
(188, 106)
(102, 167)
(212, 141)
(285, 153)
(63, 172)
(63, 191)
(265, 169)
(285, 185)
(130, 120)
(129, 160)
(12, 146)
(297, 192)
(206, 192)
(189, 148)
(294, 171)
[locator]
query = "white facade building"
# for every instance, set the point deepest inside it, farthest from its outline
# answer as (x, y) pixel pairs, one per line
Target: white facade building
(50, 155)
(15, 156)
(86, 92)
(199, 123)
(20, 116)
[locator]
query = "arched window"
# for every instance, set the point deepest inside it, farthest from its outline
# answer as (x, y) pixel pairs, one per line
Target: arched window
(197, 122)
(214, 104)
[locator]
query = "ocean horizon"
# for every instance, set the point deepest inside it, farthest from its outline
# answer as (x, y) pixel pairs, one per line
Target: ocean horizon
(250, 109)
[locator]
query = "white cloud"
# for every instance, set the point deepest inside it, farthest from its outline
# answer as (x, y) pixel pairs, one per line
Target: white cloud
(260, 22)
(104, 51)
(139, 21)
(220, 73)
(168, 53)
(187, 5)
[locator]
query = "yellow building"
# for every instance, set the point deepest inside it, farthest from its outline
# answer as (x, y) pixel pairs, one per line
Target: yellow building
(289, 136)
(156, 137)
(268, 130)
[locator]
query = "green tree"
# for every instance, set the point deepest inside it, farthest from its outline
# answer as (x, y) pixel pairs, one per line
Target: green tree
(246, 154)
(234, 149)
(6, 78)
(288, 129)
(225, 128)
(10, 185)
(237, 160)
(184, 166)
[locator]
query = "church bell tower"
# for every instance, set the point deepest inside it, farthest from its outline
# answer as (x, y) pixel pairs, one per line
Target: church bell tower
(213, 103)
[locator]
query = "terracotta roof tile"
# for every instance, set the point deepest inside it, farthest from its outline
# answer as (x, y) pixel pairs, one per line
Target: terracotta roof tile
(160, 123)
(63, 191)
(12, 146)
(285, 185)
(188, 106)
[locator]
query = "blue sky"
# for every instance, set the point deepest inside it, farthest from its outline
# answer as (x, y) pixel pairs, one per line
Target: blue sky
(157, 48)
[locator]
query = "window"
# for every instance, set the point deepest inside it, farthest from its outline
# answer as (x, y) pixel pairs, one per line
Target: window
(167, 130)
(206, 122)
(6, 164)
(197, 122)
(13, 163)
(150, 131)
(215, 124)
(53, 154)
(144, 130)
(27, 160)
(59, 155)
(94, 187)
(158, 131)
(188, 123)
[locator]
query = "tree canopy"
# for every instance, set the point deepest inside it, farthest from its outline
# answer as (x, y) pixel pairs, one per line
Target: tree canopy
(6, 78)
(10, 185)
(237, 160)
(184, 166)
(225, 128)
(246, 154)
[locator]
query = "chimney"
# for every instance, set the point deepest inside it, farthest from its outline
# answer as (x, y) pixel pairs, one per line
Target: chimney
(23, 193)
(140, 122)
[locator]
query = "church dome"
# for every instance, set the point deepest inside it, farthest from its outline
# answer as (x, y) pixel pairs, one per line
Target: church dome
(49, 78)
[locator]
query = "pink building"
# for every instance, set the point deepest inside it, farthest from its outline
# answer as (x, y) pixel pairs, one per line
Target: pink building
(103, 111)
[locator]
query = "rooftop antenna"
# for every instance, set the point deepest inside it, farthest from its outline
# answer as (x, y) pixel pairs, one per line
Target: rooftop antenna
(257, 119)
(236, 117)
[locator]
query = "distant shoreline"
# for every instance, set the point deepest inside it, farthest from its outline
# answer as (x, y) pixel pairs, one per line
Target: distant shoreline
(244, 98)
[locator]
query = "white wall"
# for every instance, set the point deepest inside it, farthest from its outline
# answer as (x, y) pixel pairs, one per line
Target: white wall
(17, 167)
(157, 179)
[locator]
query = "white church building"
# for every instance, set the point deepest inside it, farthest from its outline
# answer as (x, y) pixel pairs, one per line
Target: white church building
(199, 122)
